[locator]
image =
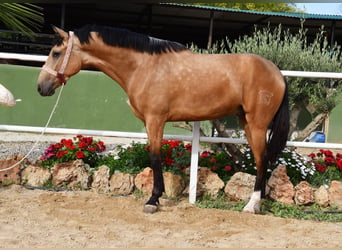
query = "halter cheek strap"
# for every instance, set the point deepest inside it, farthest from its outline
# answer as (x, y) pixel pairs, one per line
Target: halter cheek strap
(60, 74)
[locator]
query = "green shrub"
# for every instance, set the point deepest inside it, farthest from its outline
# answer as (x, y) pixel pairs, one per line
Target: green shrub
(128, 159)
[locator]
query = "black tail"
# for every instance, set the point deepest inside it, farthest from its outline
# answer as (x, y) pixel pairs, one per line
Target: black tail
(279, 131)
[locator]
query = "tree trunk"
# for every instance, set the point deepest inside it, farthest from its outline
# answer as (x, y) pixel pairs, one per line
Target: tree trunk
(294, 115)
(231, 149)
(311, 126)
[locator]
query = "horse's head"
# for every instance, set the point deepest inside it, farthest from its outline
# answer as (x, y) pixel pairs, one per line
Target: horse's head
(62, 62)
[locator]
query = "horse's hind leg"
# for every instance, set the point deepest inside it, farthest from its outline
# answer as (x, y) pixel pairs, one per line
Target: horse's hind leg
(256, 137)
(155, 134)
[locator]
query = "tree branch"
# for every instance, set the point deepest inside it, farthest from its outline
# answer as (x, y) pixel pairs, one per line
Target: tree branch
(311, 126)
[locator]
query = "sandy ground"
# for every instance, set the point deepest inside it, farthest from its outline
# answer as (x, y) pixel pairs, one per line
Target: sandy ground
(40, 218)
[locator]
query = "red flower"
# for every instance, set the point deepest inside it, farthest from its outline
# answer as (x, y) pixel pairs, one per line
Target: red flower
(321, 168)
(212, 160)
(338, 155)
(79, 154)
(83, 145)
(168, 161)
(326, 152)
(67, 142)
(60, 154)
(227, 168)
(188, 147)
(329, 160)
(175, 144)
(85, 142)
(339, 164)
(92, 149)
(58, 145)
(101, 145)
(312, 155)
(213, 168)
(205, 154)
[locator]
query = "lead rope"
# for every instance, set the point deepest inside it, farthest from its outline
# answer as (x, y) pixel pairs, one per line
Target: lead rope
(41, 134)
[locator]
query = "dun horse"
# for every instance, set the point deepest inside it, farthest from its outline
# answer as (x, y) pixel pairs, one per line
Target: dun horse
(164, 81)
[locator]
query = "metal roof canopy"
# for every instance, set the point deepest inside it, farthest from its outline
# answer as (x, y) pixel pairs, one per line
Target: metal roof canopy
(182, 22)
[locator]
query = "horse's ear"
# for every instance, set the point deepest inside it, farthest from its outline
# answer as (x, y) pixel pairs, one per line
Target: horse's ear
(60, 32)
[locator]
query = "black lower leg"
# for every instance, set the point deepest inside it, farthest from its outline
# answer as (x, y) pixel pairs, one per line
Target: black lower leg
(158, 181)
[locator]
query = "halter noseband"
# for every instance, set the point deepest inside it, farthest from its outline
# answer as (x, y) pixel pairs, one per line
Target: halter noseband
(60, 74)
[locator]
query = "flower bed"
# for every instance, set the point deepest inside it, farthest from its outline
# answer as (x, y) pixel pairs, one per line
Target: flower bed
(318, 168)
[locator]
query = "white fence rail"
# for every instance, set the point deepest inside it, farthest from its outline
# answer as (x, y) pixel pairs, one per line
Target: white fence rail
(195, 138)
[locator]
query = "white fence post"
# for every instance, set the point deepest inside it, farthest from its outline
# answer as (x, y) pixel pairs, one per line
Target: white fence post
(194, 162)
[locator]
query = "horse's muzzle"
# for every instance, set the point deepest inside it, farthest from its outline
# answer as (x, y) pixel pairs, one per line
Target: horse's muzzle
(46, 88)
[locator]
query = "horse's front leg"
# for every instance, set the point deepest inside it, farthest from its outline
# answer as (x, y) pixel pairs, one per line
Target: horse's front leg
(155, 135)
(151, 205)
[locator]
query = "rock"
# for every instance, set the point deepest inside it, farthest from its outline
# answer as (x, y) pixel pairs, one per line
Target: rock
(11, 176)
(321, 196)
(209, 182)
(303, 193)
(144, 181)
(100, 182)
(174, 184)
(335, 194)
(281, 188)
(35, 176)
(240, 186)
(71, 174)
(121, 184)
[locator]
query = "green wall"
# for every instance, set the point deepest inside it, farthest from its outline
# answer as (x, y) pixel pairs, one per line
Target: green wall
(335, 123)
(90, 100)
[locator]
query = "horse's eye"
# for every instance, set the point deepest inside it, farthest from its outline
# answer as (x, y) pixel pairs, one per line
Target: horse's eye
(56, 54)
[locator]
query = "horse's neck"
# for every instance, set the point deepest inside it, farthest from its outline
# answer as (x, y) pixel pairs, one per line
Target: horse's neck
(117, 63)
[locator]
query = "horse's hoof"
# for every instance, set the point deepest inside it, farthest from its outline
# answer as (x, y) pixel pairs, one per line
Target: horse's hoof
(251, 210)
(150, 209)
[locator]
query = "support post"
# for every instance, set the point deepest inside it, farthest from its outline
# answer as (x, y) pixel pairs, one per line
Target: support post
(194, 162)
(211, 25)
(63, 16)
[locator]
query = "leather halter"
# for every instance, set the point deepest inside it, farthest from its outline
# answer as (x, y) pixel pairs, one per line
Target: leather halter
(60, 74)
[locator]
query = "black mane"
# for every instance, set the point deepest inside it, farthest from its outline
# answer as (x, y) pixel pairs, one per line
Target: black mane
(128, 39)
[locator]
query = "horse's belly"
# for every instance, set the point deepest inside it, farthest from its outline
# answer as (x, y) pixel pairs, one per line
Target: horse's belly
(201, 111)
